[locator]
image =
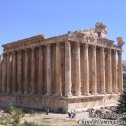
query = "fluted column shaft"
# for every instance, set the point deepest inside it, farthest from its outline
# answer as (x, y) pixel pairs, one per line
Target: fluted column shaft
(77, 70)
(40, 71)
(58, 86)
(114, 84)
(25, 71)
(102, 70)
(14, 73)
(120, 77)
(19, 72)
(8, 73)
(68, 83)
(48, 69)
(85, 90)
(33, 70)
(4, 73)
(109, 89)
(94, 72)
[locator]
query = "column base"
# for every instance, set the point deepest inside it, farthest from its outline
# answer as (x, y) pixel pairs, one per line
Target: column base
(78, 94)
(109, 92)
(69, 94)
(94, 93)
(25, 93)
(57, 94)
(87, 94)
(19, 92)
(103, 92)
(47, 94)
(39, 93)
(32, 93)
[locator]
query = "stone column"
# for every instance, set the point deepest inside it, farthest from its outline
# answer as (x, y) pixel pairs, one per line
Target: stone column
(68, 82)
(4, 73)
(14, 72)
(109, 83)
(114, 85)
(120, 77)
(33, 70)
(8, 73)
(25, 71)
(48, 69)
(77, 80)
(102, 70)
(86, 71)
(19, 71)
(58, 86)
(94, 72)
(0, 73)
(40, 72)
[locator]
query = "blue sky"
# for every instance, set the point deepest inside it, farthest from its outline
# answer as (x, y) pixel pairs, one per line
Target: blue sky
(24, 18)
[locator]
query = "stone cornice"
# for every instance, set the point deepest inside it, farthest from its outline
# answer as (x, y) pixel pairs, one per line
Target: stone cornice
(34, 41)
(89, 37)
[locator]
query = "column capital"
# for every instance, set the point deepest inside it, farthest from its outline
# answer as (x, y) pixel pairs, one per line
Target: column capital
(26, 49)
(20, 51)
(4, 54)
(14, 52)
(32, 48)
(58, 44)
(86, 45)
(119, 52)
(48, 44)
(8, 53)
(102, 48)
(93, 47)
(114, 51)
(109, 51)
(67, 43)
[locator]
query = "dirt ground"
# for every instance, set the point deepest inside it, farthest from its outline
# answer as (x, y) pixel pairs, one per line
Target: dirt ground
(53, 119)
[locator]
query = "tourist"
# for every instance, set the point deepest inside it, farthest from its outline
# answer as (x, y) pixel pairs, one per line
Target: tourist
(73, 114)
(47, 111)
(69, 114)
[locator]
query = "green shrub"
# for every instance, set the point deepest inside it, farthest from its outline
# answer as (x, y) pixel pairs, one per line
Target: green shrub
(121, 108)
(10, 108)
(30, 124)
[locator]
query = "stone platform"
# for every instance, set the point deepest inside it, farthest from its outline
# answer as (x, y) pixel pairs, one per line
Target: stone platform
(55, 103)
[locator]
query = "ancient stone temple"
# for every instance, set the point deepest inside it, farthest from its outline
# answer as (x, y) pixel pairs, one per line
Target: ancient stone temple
(77, 70)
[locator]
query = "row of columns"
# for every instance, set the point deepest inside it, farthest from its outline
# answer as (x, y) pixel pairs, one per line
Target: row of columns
(16, 74)
(113, 81)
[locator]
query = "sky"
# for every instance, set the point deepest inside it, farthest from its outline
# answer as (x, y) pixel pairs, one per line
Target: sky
(20, 19)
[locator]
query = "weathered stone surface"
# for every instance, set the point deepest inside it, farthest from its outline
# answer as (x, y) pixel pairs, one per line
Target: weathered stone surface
(77, 70)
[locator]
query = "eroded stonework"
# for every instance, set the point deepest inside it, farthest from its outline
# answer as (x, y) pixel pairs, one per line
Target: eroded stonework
(78, 70)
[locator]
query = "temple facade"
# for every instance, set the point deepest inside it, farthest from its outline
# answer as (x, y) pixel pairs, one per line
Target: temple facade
(77, 70)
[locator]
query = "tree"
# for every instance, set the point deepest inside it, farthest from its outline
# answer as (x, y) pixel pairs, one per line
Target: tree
(121, 108)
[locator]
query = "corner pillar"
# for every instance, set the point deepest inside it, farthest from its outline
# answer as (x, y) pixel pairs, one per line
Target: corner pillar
(114, 72)
(120, 77)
